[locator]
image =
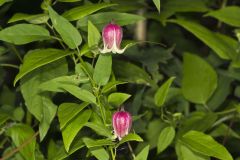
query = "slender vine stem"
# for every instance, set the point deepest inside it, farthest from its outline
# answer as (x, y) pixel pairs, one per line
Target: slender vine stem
(9, 65)
(131, 150)
(24, 144)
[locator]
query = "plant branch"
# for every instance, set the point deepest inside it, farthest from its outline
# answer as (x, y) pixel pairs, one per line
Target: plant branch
(24, 144)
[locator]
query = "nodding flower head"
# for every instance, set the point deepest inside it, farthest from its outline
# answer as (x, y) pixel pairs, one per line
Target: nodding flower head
(122, 122)
(112, 38)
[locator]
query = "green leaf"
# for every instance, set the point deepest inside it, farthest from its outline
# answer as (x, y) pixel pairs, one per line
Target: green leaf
(100, 153)
(37, 58)
(185, 6)
(103, 69)
(130, 137)
(185, 153)
(165, 138)
(80, 93)
(118, 98)
(129, 72)
(70, 131)
(199, 79)
(40, 104)
(82, 11)
(20, 133)
(206, 145)
(143, 155)
(3, 117)
(161, 94)
(93, 35)
(111, 85)
(198, 121)
(157, 4)
(221, 48)
(2, 2)
(70, 1)
(35, 19)
(67, 111)
(54, 85)
(24, 33)
(222, 129)
(228, 15)
(101, 19)
(99, 129)
(97, 143)
(67, 31)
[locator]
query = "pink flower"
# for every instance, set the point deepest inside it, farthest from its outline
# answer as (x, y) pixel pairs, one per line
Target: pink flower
(122, 122)
(112, 38)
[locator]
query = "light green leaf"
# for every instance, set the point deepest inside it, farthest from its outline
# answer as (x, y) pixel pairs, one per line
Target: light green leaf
(99, 129)
(100, 153)
(143, 155)
(93, 36)
(97, 143)
(206, 145)
(70, 131)
(39, 104)
(228, 15)
(165, 138)
(161, 94)
(222, 49)
(199, 79)
(118, 98)
(67, 31)
(130, 137)
(35, 19)
(80, 93)
(20, 133)
(103, 69)
(24, 33)
(185, 153)
(37, 58)
(157, 4)
(54, 85)
(101, 19)
(67, 111)
(129, 72)
(82, 11)
(2, 2)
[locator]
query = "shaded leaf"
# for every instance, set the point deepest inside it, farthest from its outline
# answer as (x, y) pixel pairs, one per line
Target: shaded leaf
(130, 137)
(165, 138)
(118, 98)
(199, 79)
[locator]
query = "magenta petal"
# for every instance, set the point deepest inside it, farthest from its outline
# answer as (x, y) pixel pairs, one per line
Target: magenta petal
(122, 122)
(112, 33)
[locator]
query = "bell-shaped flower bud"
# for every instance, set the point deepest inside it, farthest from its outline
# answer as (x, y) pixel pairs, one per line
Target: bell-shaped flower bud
(112, 38)
(122, 123)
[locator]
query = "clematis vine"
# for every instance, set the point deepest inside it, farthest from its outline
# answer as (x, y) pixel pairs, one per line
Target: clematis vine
(112, 38)
(122, 123)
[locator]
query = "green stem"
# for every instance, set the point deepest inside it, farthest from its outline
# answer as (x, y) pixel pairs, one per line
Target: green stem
(113, 154)
(13, 48)
(227, 111)
(131, 150)
(9, 65)
(29, 118)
